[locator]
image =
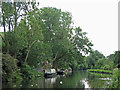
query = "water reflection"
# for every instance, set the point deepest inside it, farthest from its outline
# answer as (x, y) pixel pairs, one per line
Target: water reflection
(85, 82)
(61, 76)
(99, 80)
(78, 79)
(105, 78)
(50, 80)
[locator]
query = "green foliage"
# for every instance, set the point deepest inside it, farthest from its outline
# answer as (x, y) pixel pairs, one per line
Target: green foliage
(100, 63)
(2, 43)
(95, 60)
(101, 75)
(100, 71)
(28, 72)
(81, 42)
(116, 59)
(112, 61)
(47, 35)
(106, 67)
(10, 70)
(56, 26)
(43, 35)
(2, 34)
(116, 78)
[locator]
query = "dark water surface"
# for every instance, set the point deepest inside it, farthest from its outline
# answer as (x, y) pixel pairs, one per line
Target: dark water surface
(78, 79)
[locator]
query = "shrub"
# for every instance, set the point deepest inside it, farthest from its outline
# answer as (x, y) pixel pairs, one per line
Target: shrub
(29, 72)
(10, 71)
(106, 67)
(116, 78)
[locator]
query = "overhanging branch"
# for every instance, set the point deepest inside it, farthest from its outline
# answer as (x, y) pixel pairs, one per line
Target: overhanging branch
(2, 38)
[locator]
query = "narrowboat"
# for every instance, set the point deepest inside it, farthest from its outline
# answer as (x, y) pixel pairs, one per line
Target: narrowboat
(61, 72)
(50, 73)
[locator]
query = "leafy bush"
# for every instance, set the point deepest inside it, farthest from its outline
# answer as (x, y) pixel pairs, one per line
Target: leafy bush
(30, 72)
(41, 74)
(27, 71)
(106, 67)
(10, 70)
(116, 78)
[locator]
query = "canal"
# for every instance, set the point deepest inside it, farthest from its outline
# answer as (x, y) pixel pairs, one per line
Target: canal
(78, 79)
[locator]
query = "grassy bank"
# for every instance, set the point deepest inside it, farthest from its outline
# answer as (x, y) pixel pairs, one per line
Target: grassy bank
(100, 71)
(115, 74)
(101, 75)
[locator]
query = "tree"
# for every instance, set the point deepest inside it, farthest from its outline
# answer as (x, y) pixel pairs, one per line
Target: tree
(94, 59)
(81, 42)
(46, 35)
(113, 59)
(56, 28)
(5, 15)
(116, 59)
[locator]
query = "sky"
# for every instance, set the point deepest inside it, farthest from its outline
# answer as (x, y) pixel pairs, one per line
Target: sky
(99, 18)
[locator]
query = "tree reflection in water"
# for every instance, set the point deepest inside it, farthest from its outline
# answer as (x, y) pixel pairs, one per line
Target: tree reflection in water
(78, 79)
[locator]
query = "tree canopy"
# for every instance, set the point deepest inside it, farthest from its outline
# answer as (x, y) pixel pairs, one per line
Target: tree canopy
(43, 35)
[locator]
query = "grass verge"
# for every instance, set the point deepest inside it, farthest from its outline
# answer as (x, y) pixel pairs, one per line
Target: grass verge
(100, 71)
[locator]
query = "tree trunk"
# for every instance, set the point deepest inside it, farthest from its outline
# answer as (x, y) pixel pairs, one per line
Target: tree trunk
(27, 54)
(6, 43)
(9, 24)
(15, 55)
(55, 65)
(52, 62)
(56, 60)
(2, 38)
(15, 13)
(30, 45)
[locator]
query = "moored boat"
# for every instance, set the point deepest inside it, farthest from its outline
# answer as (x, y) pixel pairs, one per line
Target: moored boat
(70, 70)
(61, 72)
(50, 73)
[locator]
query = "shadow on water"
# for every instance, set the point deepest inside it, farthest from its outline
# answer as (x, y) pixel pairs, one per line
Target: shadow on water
(78, 79)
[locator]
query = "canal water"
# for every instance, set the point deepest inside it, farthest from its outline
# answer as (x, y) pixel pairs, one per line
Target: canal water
(77, 79)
